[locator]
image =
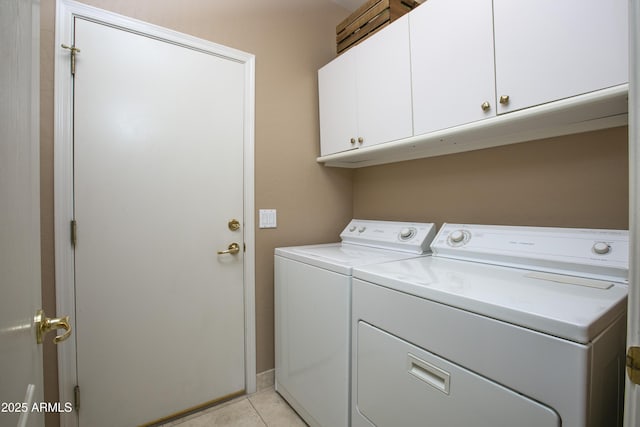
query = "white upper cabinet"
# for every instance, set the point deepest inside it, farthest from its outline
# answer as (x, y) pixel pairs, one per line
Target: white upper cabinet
(338, 108)
(461, 75)
(384, 85)
(548, 50)
(451, 63)
(365, 93)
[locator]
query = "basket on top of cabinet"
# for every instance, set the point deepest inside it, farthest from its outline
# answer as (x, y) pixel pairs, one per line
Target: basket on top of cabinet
(368, 19)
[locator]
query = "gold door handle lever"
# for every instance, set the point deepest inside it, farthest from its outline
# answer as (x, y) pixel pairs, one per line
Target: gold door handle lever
(233, 249)
(44, 324)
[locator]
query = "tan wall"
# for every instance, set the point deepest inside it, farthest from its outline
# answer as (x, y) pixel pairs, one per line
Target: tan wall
(573, 181)
(291, 40)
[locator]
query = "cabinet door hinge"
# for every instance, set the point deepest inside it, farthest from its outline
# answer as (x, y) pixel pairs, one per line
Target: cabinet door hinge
(633, 364)
(74, 232)
(76, 397)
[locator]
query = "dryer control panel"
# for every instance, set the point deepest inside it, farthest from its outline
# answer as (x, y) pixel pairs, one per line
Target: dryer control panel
(595, 253)
(413, 237)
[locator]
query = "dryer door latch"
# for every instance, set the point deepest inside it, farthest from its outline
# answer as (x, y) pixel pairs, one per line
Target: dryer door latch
(633, 364)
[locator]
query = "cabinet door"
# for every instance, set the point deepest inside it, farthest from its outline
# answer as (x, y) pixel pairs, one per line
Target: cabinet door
(548, 49)
(451, 63)
(337, 104)
(384, 85)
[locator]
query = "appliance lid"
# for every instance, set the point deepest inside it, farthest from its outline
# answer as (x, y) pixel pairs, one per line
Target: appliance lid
(366, 242)
(573, 311)
(340, 257)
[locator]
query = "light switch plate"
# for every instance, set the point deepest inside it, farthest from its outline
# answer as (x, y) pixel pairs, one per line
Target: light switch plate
(268, 218)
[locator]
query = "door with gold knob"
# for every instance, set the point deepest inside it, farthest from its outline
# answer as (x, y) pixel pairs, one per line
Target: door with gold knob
(158, 195)
(21, 383)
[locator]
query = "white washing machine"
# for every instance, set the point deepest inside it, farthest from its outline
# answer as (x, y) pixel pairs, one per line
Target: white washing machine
(313, 312)
(501, 326)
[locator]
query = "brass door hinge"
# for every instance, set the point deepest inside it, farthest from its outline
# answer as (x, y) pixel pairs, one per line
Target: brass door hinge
(74, 232)
(73, 49)
(76, 397)
(633, 364)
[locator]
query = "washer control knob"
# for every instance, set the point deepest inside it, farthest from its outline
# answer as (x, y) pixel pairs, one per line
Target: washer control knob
(352, 228)
(361, 229)
(457, 236)
(601, 248)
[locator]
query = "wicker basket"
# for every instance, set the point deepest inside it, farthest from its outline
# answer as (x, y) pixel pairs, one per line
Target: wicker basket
(368, 19)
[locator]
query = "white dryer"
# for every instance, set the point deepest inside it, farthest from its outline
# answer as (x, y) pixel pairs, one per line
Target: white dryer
(502, 326)
(313, 312)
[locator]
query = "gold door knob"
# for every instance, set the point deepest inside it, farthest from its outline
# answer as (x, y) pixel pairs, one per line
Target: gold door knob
(233, 249)
(504, 99)
(44, 324)
(234, 225)
(485, 106)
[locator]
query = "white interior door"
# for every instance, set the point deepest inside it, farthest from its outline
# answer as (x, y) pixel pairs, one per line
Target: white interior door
(20, 356)
(158, 174)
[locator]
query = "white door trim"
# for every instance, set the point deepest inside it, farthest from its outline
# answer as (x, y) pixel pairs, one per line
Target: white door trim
(632, 391)
(66, 11)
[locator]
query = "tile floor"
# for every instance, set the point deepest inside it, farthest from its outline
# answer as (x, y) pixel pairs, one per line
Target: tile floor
(263, 409)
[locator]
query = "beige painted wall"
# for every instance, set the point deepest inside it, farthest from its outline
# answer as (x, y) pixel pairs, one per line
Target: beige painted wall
(573, 181)
(291, 40)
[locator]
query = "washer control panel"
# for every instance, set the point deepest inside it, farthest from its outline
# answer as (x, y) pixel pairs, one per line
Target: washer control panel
(411, 237)
(575, 251)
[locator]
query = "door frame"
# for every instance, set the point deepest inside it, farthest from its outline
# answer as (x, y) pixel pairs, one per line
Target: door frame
(632, 391)
(66, 12)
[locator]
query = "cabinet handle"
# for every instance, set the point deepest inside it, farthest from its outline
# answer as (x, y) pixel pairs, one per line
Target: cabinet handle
(485, 106)
(504, 99)
(360, 140)
(353, 141)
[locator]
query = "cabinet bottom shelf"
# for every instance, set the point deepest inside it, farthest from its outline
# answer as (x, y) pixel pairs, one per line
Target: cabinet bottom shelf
(606, 108)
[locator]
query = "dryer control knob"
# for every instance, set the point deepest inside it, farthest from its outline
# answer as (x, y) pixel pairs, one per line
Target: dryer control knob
(457, 236)
(601, 248)
(361, 229)
(352, 228)
(407, 233)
